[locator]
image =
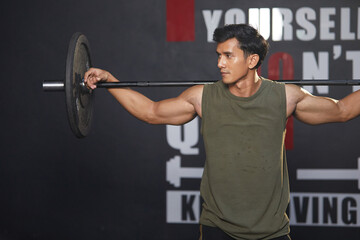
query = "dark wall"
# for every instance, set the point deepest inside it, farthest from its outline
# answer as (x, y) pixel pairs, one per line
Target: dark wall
(114, 184)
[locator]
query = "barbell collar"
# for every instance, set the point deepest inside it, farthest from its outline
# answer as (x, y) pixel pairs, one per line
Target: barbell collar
(53, 86)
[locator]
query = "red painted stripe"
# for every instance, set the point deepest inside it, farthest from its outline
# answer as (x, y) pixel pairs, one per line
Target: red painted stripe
(289, 138)
(180, 20)
(287, 73)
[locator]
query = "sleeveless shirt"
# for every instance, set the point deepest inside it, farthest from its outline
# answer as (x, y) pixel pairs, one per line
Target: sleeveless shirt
(245, 184)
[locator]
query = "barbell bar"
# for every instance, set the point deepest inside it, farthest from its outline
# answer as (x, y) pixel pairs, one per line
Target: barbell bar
(52, 85)
(79, 99)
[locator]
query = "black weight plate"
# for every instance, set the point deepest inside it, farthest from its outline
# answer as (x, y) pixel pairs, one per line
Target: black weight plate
(79, 100)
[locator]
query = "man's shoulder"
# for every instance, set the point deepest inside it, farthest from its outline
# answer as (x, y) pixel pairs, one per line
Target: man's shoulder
(217, 84)
(272, 82)
(193, 93)
(294, 93)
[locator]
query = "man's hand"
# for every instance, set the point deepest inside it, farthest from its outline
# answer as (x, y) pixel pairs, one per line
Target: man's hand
(95, 75)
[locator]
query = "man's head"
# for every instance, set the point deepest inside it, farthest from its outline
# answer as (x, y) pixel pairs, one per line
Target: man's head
(250, 41)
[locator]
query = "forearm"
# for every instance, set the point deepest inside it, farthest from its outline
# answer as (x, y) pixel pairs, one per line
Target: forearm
(134, 102)
(350, 106)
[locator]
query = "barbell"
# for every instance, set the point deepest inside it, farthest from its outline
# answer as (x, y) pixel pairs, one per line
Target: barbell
(79, 99)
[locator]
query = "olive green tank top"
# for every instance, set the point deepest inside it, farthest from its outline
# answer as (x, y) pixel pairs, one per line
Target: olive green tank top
(245, 184)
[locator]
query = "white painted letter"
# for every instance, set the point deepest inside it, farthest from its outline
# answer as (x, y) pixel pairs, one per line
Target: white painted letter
(326, 23)
(234, 16)
(354, 56)
(184, 142)
(212, 21)
(281, 24)
(260, 20)
(308, 32)
(313, 69)
(345, 25)
(358, 24)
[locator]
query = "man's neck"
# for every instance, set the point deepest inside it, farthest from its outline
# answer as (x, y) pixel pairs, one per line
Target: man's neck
(246, 87)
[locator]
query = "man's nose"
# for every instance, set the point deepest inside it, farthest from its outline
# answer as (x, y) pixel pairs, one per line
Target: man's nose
(221, 62)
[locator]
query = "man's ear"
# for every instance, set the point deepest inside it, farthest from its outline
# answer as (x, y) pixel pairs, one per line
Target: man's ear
(253, 60)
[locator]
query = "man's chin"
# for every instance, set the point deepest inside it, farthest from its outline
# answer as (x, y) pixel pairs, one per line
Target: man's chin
(226, 81)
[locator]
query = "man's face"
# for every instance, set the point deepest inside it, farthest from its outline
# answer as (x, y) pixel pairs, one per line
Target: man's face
(232, 63)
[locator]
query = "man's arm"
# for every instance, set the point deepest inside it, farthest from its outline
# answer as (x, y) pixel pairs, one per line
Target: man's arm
(316, 110)
(174, 111)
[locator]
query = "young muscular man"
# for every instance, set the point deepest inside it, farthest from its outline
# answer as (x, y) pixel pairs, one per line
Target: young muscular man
(245, 184)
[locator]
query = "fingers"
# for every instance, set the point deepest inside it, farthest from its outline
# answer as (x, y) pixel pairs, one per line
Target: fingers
(88, 77)
(92, 77)
(90, 81)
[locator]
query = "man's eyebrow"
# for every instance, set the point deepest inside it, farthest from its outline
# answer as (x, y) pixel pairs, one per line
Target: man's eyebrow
(226, 52)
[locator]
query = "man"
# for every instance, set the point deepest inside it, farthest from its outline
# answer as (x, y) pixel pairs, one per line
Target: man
(245, 184)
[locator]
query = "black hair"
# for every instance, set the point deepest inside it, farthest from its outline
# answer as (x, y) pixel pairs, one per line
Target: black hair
(250, 40)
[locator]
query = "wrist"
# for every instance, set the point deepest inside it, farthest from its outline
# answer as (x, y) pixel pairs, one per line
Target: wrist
(110, 78)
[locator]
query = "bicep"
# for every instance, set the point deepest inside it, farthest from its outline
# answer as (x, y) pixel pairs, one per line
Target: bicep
(173, 111)
(316, 110)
